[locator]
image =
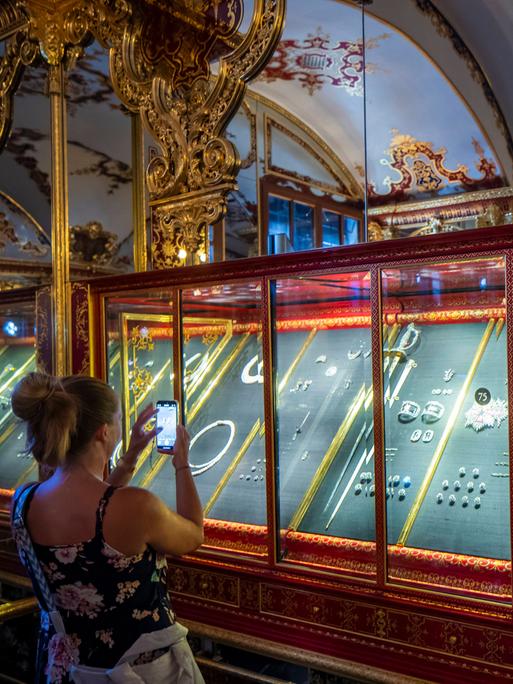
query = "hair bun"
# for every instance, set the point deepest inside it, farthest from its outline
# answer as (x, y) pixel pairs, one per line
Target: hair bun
(31, 394)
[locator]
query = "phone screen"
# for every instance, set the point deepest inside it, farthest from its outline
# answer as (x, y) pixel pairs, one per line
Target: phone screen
(167, 418)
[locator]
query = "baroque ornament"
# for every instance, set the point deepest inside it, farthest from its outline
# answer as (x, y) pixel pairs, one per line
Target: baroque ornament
(160, 57)
(19, 51)
(317, 61)
(420, 168)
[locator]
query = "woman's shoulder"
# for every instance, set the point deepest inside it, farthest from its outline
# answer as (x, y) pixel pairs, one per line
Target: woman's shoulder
(136, 498)
(19, 491)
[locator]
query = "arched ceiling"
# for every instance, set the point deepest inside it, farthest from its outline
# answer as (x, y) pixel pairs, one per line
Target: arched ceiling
(487, 30)
(423, 97)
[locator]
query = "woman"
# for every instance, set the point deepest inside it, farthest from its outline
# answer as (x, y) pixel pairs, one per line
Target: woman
(100, 543)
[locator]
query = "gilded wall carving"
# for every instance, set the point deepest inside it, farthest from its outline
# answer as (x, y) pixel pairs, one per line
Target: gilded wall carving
(160, 63)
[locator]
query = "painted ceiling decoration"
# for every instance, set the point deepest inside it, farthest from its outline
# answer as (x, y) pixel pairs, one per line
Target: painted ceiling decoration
(21, 237)
(417, 167)
(318, 60)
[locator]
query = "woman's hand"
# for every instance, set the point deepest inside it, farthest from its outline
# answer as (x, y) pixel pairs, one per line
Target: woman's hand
(181, 449)
(139, 436)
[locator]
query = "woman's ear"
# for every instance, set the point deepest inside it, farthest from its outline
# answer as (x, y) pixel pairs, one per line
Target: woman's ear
(102, 433)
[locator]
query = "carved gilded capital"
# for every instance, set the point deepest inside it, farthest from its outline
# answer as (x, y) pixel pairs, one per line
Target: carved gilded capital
(180, 227)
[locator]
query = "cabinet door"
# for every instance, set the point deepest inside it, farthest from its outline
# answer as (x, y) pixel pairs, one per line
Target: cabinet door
(446, 425)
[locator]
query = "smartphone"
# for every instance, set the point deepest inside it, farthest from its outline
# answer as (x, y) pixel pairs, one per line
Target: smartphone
(167, 418)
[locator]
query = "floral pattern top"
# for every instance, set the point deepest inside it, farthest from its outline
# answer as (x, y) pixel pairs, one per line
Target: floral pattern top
(106, 600)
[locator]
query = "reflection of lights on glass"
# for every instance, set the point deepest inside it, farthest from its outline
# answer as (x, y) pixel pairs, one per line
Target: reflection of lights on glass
(202, 257)
(144, 331)
(182, 253)
(116, 454)
(482, 282)
(10, 328)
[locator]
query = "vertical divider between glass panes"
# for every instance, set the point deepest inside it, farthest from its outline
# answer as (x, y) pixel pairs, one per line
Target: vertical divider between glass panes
(509, 360)
(379, 461)
(269, 420)
(178, 394)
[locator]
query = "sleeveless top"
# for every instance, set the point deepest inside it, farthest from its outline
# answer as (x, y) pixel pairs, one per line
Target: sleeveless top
(107, 600)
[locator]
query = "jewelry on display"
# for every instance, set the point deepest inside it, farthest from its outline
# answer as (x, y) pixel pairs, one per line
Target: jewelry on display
(475, 472)
(249, 379)
(330, 372)
(348, 383)
(482, 487)
(366, 456)
(402, 494)
(452, 500)
(409, 411)
(428, 436)
(366, 354)
(396, 480)
(302, 385)
(477, 502)
(304, 455)
(447, 392)
(470, 486)
(448, 374)
(346, 466)
(462, 471)
(464, 501)
(409, 340)
(439, 497)
(445, 484)
(432, 412)
(457, 485)
(358, 489)
(351, 355)
(300, 427)
(416, 435)
(407, 481)
(203, 467)
(372, 489)
(436, 391)
(404, 375)
(490, 415)
(321, 359)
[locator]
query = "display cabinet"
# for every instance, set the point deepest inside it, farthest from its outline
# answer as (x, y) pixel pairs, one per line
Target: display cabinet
(348, 410)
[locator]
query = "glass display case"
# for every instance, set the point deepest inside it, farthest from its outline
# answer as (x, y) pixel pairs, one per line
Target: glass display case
(348, 412)
(17, 358)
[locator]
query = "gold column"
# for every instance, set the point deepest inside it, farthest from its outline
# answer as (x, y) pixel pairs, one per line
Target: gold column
(138, 196)
(60, 232)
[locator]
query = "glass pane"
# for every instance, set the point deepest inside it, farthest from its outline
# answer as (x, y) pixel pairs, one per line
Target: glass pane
(279, 225)
(17, 358)
(324, 419)
(330, 228)
(303, 227)
(99, 167)
(351, 226)
(140, 362)
(25, 183)
(224, 409)
(309, 107)
(436, 137)
(446, 431)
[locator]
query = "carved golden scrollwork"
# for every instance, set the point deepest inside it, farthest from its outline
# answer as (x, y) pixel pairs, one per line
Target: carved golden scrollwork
(19, 52)
(160, 63)
(92, 244)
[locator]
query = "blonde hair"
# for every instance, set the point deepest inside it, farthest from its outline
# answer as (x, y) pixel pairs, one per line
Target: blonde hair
(62, 414)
